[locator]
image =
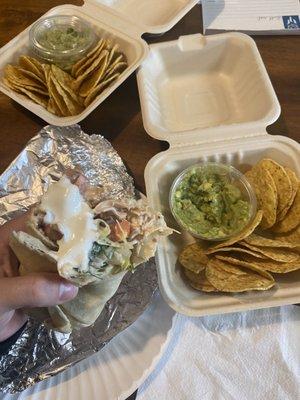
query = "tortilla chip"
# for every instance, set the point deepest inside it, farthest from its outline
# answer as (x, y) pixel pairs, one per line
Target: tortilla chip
(84, 74)
(277, 254)
(98, 89)
(31, 75)
(35, 97)
(230, 278)
(112, 53)
(90, 83)
(112, 65)
(282, 182)
(266, 265)
(266, 194)
(56, 96)
(291, 237)
(292, 218)
(22, 77)
(237, 249)
(294, 182)
(73, 107)
(119, 67)
(35, 89)
(193, 258)
(88, 57)
(66, 82)
(245, 232)
(199, 281)
(46, 69)
(53, 107)
(33, 65)
(261, 241)
(89, 62)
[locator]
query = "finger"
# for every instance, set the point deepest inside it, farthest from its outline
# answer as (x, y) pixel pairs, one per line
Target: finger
(9, 265)
(38, 290)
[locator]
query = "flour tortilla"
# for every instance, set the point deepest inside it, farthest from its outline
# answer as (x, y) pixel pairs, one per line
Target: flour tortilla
(92, 296)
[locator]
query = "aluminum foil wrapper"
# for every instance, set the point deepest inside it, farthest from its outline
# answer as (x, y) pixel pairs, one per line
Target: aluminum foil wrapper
(40, 353)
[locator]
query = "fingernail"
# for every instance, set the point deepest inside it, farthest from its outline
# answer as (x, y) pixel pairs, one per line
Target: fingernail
(67, 291)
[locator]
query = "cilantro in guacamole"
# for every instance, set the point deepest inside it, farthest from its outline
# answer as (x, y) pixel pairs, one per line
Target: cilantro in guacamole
(209, 205)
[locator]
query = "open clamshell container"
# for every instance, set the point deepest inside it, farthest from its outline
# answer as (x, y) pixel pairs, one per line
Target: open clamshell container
(211, 99)
(123, 21)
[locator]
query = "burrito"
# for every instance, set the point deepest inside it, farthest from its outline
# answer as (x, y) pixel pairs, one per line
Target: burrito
(89, 240)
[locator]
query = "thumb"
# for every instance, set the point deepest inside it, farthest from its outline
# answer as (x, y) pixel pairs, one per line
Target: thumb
(38, 290)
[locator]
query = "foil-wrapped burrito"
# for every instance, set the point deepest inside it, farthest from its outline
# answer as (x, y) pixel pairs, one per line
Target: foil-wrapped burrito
(40, 352)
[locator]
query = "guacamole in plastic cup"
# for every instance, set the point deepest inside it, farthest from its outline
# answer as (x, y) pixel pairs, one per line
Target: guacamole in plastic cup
(212, 201)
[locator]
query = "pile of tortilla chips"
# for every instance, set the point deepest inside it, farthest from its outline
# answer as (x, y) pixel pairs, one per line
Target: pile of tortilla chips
(58, 91)
(270, 244)
(97, 70)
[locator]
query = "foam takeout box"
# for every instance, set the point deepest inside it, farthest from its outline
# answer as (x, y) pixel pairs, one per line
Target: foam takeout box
(123, 21)
(211, 99)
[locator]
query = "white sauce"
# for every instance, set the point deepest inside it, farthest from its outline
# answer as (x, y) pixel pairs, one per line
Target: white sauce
(65, 206)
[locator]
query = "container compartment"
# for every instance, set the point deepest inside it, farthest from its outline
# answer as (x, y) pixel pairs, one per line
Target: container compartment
(201, 82)
(159, 175)
(133, 47)
(124, 21)
(211, 99)
(155, 15)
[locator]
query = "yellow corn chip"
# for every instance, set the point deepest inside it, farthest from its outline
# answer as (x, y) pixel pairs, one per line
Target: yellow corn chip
(231, 278)
(282, 182)
(98, 89)
(33, 65)
(193, 258)
(199, 281)
(73, 107)
(294, 182)
(90, 83)
(291, 237)
(95, 64)
(261, 241)
(277, 254)
(292, 218)
(266, 265)
(84, 62)
(237, 249)
(266, 194)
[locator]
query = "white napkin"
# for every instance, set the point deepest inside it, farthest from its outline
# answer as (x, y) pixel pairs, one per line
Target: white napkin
(252, 355)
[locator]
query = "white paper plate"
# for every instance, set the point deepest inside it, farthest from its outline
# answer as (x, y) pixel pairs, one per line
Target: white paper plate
(116, 371)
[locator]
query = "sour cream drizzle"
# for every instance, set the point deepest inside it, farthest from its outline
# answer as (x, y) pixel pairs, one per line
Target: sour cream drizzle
(65, 206)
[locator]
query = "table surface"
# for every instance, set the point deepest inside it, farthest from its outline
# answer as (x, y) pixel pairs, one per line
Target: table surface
(119, 117)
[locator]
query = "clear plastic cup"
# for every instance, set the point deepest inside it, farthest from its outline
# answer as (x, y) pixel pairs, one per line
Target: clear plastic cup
(61, 39)
(232, 176)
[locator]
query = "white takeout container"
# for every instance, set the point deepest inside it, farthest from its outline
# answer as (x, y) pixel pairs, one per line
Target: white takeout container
(211, 99)
(123, 21)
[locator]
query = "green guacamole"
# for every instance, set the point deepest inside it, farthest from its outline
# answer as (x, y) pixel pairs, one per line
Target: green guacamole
(61, 39)
(209, 205)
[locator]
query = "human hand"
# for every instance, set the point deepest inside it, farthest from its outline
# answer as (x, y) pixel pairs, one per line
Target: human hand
(16, 292)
